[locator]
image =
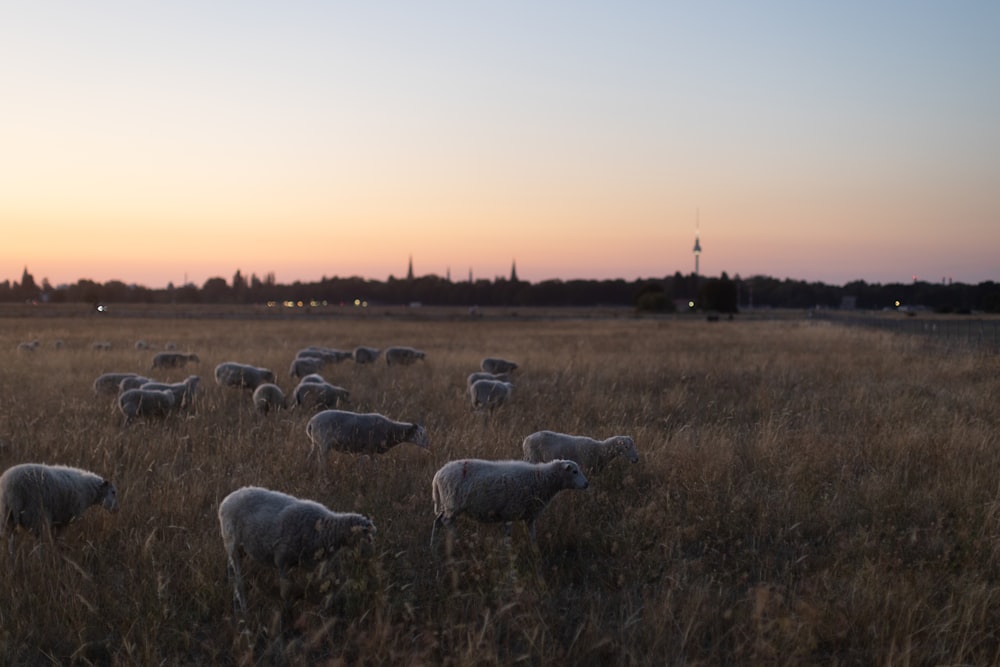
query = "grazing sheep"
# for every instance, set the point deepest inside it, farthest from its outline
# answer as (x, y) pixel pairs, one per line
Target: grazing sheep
(492, 491)
(590, 454)
(490, 394)
(328, 354)
(402, 356)
(143, 402)
(244, 376)
(183, 391)
(365, 355)
(108, 384)
(495, 365)
(267, 397)
(280, 530)
(143, 345)
(102, 346)
(358, 433)
(320, 395)
(312, 377)
(302, 366)
(132, 382)
(174, 359)
(483, 375)
(29, 346)
(41, 498)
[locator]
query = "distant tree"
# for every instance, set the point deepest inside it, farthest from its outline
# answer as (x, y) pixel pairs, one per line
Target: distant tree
(652, 297)
(719, 294)
(215, 290)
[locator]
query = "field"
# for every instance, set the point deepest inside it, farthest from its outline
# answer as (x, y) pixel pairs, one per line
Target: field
(806, 494)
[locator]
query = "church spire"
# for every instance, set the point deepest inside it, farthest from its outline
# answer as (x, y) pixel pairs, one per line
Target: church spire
(409, 271)
(513, 271)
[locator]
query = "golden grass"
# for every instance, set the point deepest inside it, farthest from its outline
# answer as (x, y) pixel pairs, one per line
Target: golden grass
(807, 494)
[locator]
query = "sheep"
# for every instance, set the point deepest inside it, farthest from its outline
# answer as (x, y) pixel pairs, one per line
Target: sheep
(132, 382)
(155, 399)
(365, 355)
(107, 384)
(312, 377)
(590, 454)
(302, 366)
(233, 374)
(183, 391)
(144, 402)
(493, 491)
(490, 394)
(358, 433)
(327, 354)
(174, 359)
(320, 395)
(268, 396)
(483, 375)
(402, 355)
(496, 365)
(42, 498)
(29, 346)
(283, 531)
(143, 345)
(102, 346)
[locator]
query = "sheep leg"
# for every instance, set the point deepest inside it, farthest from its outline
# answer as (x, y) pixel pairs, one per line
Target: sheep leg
(239, 594)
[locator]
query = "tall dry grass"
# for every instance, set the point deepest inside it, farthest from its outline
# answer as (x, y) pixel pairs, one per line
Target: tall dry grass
(806, 495)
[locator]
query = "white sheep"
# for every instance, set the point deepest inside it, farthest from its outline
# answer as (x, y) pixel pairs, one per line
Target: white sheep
(267, 397)
(494, 491)
(283, 531)
(43, 498)
(102, 345)
(108, 384)
(143, 345)
(183, 391)
(589, 453)
(320, 395)
(29, 346)
(483, 375)
(403, 356)
(312, 377)
(329, 355)
(143, 402)
(174, 359)
(365, 355)
(302, 366)
(497, 365)
(357, 433)
(245, 376)
(490, 394)
(132, 382)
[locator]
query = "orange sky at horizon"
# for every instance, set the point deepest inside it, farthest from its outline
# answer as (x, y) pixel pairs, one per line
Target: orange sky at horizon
(576, 140)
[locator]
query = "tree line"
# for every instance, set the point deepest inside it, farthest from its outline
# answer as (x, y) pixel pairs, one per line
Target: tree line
(667, 294)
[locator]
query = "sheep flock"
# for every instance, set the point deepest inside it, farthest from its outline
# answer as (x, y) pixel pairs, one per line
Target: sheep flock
(282, 531)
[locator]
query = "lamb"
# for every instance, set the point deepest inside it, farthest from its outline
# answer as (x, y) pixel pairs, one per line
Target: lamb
(320, 395)
(174, 359)
(402, 356)
(358, 433)
(365, 355)
(490, 394)
(268, 396)
(483, 375)
(283, 531)
(233, 374)
(496, 365)
(107, 384)
(507, 491)
(590, 454)
(41, 498)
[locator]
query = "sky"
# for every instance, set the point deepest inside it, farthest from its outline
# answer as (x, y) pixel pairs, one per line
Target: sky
(174, 142)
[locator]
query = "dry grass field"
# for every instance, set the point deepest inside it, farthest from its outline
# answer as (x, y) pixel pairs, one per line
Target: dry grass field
(806, 494)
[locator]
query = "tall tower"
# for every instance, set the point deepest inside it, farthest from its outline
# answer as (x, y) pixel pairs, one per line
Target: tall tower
(513, 271)
(409, 271)
(697, 241)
